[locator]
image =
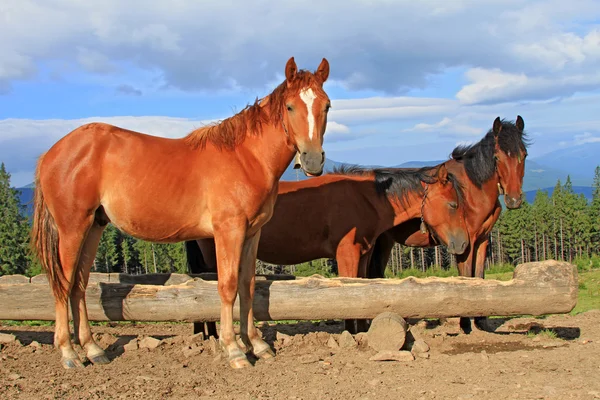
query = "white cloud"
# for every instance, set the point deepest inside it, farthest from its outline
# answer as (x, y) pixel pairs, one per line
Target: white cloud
(193, 45)
(586, 137)
(495, 86)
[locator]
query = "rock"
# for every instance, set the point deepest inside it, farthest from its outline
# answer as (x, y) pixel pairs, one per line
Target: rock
(149, 343)
(35, 344)
(197, 338)
(346, 341)
(213, 345)
(387, 355)
(419, 346)
(374, 382)
(362, 339)
(422, 355)
(308, 359)
(193, 350)
(7, 338)
(14, 377)
(332, 344)
(484, 355)
(132, 345)
(284, 339)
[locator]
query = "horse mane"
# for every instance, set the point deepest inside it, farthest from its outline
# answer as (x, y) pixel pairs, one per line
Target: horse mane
(478, 158)
(231, 132)
(400, 182)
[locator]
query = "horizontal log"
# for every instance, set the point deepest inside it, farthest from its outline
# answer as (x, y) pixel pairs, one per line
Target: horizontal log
(537, 288)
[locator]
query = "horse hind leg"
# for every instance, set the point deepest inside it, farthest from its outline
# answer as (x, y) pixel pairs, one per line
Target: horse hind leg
(81, 325)
(71, 239)
(250, 336)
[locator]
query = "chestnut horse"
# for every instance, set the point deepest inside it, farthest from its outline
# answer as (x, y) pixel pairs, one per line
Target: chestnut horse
(223, 185)
(340, 215)
(495, 165)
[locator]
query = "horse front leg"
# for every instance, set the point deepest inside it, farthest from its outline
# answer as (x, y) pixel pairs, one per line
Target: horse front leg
(465, 268)
(348, 259)
(249, 334)
(229, 242)
(480, 255)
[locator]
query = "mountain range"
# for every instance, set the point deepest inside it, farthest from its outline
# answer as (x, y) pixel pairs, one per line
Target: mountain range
(578, 162)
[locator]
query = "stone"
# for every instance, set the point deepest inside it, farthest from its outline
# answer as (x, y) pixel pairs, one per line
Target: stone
(213, 345)
(132, 345)
(284, 339)
(197, 338)
(332, 344)
(362, 339)
(7, 338)
(149, 343)
(419, 346)
(388, 355)
(192, 350)
(346, 341)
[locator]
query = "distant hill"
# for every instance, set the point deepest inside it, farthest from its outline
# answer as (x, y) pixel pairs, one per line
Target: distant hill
(586, 190)
(537, 176)
(579, 161)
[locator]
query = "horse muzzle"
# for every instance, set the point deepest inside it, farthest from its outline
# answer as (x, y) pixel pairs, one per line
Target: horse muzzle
(311, 162)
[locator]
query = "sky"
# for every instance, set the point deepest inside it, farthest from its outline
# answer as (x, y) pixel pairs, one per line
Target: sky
(409, 80)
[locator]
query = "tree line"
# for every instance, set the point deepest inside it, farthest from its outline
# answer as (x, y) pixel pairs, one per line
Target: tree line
(562, 226)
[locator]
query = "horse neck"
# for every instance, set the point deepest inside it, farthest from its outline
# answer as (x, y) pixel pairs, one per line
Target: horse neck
(489, 187)
(270, 149)
(408, 209)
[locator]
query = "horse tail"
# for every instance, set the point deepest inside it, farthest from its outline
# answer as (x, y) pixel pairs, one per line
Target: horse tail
(45, 239)
(195, 259)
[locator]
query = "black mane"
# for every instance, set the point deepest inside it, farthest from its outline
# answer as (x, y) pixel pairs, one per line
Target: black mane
(399, 182)
(478, 158)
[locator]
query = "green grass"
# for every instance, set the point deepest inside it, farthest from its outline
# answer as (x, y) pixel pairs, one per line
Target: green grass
(589, 292)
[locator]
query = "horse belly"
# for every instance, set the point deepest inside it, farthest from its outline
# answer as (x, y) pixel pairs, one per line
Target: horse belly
(160, 220)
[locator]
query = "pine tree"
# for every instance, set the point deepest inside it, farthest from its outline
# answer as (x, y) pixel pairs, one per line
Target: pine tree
(14, 229)
(594, 214)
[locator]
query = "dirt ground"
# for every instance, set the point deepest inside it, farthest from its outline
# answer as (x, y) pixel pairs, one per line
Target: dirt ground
(514, 361)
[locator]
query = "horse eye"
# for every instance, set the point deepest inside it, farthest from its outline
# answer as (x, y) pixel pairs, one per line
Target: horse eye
(327, 107)
(289, 108)
(453, 205)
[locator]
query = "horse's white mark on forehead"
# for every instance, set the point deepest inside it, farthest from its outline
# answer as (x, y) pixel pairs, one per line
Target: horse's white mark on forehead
(308, 97)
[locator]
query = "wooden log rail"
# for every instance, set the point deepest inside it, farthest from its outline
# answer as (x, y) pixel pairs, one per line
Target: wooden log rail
(548, 287)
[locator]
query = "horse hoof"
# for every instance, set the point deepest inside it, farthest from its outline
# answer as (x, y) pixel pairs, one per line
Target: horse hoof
(99, 359)
(239, 362)
(70, 363)
(265, 353)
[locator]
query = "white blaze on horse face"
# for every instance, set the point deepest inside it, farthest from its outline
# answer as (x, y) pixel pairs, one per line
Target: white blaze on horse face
(308, 97)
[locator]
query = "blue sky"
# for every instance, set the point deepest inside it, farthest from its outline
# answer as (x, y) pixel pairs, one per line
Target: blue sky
(409, 80)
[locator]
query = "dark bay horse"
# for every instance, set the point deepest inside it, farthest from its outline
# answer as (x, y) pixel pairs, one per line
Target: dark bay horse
(340, 215)
(493, 166)
(223, 185)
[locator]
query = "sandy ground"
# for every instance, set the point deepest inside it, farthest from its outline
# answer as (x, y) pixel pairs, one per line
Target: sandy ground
(513, 361)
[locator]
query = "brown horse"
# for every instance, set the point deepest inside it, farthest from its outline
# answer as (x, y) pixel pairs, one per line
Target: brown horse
(495, 165)
(223, 185)
(340, 216)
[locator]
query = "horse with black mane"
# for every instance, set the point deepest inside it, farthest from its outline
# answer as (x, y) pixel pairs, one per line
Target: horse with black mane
(493, 166)
(340, 215)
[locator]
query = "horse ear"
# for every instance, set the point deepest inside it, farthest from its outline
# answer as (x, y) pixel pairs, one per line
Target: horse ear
(442, 174)
(323, 70)
(520, 123)
(290, 69)
(497, 126)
